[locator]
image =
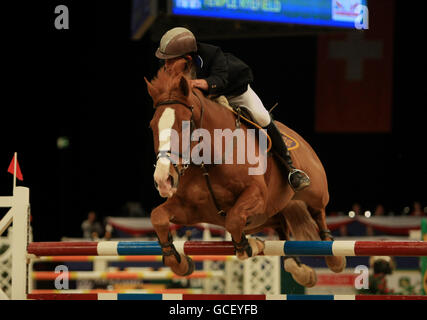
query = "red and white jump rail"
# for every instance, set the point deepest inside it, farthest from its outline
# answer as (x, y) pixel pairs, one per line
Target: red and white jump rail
(196, 248)
(138, 291)
(157, 258)
(124, 275)
(227, 297)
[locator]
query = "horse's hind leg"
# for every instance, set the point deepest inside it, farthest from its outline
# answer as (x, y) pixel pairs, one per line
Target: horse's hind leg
(300, 222)
(302, 274)
(336, 264)
(179, 263)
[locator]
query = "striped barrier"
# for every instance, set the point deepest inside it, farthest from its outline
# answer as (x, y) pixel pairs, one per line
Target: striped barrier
(226, 297)
(272, 248)
(22, 251)
(125, 258)
(139, 291)
(123, 275)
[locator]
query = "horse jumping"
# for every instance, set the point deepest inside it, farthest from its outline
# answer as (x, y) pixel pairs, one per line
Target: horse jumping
(225, 194)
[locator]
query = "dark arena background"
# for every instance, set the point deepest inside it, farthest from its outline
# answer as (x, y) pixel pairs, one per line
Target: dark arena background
(77, 111)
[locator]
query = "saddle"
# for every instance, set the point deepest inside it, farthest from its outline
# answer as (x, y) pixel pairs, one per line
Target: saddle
(243, 113)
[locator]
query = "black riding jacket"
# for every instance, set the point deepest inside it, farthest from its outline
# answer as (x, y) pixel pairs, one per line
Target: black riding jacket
(224, 73)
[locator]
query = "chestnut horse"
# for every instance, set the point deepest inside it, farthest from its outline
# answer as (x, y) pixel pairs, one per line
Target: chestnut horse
(249, 203)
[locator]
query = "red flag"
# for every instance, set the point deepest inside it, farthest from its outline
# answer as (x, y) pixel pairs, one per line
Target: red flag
(354, 85)
(18, 169)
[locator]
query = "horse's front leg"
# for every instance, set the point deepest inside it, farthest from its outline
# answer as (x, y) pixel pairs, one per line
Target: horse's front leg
(251, 202)
(180, 264)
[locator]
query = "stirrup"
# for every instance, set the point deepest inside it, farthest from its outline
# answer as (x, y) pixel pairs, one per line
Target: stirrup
(304, 182)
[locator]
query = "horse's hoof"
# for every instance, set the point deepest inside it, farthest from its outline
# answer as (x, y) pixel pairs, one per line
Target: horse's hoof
(302, 274)
(183, 268)
(257, 246)
(336, 264)
(306, 277)
(191, 266)
(312, 280)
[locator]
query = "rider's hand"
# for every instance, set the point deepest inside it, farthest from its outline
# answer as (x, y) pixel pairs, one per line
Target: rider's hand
(200, 83)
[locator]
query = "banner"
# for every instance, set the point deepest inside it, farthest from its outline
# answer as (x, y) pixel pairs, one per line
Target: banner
(354, 75)
(142, 226)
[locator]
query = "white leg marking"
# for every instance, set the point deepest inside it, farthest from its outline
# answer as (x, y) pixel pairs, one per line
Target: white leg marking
(165, 125)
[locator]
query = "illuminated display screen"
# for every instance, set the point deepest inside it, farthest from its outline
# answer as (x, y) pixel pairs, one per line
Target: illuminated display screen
(330, 13)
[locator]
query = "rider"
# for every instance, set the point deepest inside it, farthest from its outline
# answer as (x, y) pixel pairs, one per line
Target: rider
(219, 73)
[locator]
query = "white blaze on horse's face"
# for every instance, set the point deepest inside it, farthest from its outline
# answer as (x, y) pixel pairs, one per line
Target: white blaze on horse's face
(161, 174)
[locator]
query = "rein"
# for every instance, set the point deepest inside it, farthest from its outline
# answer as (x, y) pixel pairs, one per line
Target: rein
(167, 154)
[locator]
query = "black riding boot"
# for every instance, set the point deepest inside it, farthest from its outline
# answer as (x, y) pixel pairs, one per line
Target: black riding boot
(297, 179)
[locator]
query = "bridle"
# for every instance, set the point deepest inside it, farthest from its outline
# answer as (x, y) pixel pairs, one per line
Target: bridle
(167, 154)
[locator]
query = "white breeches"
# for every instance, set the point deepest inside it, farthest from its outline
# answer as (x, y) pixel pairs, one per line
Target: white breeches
(250, 100)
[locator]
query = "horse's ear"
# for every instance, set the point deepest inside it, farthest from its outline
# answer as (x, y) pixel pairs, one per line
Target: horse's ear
(152, 91)
(184, 86)
(180, 66)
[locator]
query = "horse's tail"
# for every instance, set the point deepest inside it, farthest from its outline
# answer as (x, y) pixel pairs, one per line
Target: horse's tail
(299, 221)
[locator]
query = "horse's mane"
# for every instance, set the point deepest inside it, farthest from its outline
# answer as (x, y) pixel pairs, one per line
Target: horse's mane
(168, 81)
